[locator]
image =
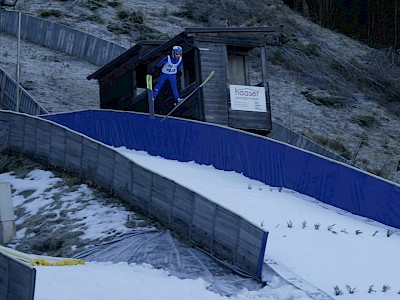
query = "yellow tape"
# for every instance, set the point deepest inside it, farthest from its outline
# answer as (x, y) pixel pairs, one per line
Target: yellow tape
(41, 260)
(62, 262)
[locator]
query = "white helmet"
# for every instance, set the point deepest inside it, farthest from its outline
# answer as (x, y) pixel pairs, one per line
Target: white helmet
(176, 51)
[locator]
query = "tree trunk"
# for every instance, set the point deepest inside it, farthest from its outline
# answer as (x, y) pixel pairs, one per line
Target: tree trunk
(306, 12)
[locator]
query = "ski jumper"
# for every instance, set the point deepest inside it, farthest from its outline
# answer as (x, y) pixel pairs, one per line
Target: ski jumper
(171, 66)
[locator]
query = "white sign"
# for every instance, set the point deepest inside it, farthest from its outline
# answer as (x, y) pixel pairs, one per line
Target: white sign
(248, 98)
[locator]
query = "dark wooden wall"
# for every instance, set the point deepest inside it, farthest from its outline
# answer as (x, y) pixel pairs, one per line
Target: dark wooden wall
(215, 91)
(216, 97)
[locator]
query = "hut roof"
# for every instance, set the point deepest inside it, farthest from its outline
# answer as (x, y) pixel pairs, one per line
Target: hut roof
(248, 37)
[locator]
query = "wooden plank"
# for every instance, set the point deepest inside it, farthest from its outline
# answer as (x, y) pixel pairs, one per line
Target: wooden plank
(4, 159)
(3, 139)
(203, 222)
(73, 151)
(105, 167)
(216, 106)
(226, 234)
(89, 159)
(250, 244)
(29, 143)
(162, 196)
(3, 146)
(17, 280)
(3, 276)
(250, 120)
(182, 211)
(214, 92)
(57, 146)
(3, 132)
(123, 178)
(43, 133)
(249, 42)
(16, 131)
(141, 188)
(216, 119)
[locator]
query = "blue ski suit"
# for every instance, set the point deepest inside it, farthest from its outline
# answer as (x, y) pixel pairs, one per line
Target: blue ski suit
(171, 66)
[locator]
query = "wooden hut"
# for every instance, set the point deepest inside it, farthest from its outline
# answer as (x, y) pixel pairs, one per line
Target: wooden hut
(228, 98)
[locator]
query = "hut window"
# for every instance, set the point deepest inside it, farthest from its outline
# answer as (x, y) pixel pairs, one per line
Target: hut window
(237, 68)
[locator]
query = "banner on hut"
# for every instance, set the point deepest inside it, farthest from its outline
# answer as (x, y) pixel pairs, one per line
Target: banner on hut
(248, 98)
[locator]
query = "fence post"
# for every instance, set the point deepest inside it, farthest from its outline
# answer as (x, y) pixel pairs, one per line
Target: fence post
(3, 86)
(7, 219)
(18, 63)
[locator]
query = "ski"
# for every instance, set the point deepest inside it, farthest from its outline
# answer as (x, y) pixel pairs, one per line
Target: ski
(149, 84)
(187, 97)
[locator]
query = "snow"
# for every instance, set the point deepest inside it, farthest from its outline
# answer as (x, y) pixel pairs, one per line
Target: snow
(333, 255)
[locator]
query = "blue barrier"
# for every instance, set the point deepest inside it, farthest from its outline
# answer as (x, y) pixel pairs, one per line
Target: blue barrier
(257, 157)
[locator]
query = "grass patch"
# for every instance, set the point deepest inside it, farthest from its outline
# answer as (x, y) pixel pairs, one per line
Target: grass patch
(364, 120)
(324, 99)
(334, 145)
(190, 12)
(148, 33)
(50, 13)
(95, 4)
(126, 22)
(114, 4)
(134, 17)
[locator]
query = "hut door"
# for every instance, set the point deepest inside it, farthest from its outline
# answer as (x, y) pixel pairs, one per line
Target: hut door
(237, 70)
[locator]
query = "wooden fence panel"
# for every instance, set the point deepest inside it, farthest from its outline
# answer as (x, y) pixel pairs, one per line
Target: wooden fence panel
(89, 159)
(141, 188)
(226, 234)
(251, 240)
(105, 167)
(73, 152)
(162, 197)
(29, 141)
(17, 280)
(208, 225)
(3, 147)
(58, 146)
(182, 211)
(123, 178)
(16, 131)
(43, 137)
(203, 222)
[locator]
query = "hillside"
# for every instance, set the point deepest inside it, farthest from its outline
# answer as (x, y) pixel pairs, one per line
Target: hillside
(334, 90)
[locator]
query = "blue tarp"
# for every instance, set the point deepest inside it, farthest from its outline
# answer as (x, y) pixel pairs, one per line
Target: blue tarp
(257, 157)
